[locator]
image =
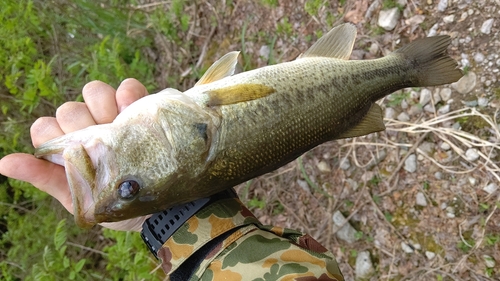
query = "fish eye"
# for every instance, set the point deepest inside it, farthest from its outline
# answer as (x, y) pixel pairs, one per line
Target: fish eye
(128, 189)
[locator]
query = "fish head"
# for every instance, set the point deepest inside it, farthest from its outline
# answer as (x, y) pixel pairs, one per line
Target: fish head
(133, 167)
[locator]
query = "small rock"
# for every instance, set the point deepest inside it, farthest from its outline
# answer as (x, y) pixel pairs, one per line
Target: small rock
(390, 113)
(472, 154)
(427, 147)
(415, 110)
(438, 175)
(472, 103)
(472, 181)
(411, 163)
(425, 97)
(429, 108)
(489, 261)
(449, 19)
(478, 57)
(444, 109)
(445, 94)
(450, 212)
(498, 62)
(482, 102)
(464, 16)
(344, 164)
(303, 184)
(442, 5)
(373, 49)
(486, 27)
(364, 265)
(430, 255)
(406, 248)
(433, 30)
(445, 146)
(323, 167)
(264, 52)
(347, 232)
(403, 116)
(421, 200)
(436, 96)
(373, 7)
(466, 84)
(490, 188)
(387, 19)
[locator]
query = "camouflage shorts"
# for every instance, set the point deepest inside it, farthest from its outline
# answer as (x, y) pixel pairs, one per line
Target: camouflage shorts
(224, 241)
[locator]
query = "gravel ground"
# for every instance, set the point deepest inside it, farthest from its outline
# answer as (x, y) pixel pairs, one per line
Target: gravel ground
(421, 199)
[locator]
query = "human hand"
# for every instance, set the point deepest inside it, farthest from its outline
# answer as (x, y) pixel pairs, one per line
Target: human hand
(102, 105)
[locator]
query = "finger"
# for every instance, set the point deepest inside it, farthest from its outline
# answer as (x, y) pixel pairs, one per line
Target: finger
(74, 116)
(45, 129)
(129, 91)
(101, 101)
(46, 176)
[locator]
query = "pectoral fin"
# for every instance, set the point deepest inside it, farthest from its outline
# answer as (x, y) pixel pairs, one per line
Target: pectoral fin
(337, 43)
(223, 67)
(238, 93)
(371, 123)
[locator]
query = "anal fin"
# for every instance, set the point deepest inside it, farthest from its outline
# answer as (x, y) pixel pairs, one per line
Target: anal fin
(372, 122)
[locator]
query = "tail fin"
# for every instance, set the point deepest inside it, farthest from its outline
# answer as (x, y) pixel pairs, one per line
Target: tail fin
(428, 57)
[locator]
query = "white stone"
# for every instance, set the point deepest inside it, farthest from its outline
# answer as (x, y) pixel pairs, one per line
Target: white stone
(403, 116)
(438, 175)
(425, 97)
(486, 27)
(347, 232)
(411, 163)
(390, 113)
(478, 57)
(449, 19)
(445, 146)
(430, 255)
(364, 265)
(472, 181)
(490, 188)
(429, 108)
(387, 19)
(433, 30)
(323, 167)
(436, 96)
(444, 109)
(303, 184)
(445, 94)
(406, 248)
(421, 200)
(264, 52)
(483, 102)
(442, 5)
(472, 154)
(466, 84)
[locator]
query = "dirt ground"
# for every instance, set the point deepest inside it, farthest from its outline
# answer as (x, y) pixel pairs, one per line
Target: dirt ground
(436, 221)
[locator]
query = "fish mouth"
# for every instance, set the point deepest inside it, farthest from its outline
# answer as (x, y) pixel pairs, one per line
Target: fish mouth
(70, 152)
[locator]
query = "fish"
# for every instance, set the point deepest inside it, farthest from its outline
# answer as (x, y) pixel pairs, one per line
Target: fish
(174, 147)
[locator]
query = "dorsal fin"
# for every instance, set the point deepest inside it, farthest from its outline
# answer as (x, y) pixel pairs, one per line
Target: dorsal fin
(223, 67)
(337, 43)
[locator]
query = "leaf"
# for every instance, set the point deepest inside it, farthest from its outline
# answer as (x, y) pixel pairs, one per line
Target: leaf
(79, 265)
(60, 234)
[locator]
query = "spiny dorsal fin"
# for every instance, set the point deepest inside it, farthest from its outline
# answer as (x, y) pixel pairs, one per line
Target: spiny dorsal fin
(238, 93)
(371, 123)
(337, 43)
(223, 67)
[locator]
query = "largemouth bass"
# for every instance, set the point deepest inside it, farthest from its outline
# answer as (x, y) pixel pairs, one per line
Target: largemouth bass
(174, 147)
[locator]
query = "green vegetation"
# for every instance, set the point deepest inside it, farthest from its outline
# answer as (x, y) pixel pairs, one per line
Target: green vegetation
(48, 51)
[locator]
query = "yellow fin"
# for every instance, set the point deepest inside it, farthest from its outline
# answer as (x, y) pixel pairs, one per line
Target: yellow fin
(371, 123)
(337, 43)
(223, 67)
(238, 93)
